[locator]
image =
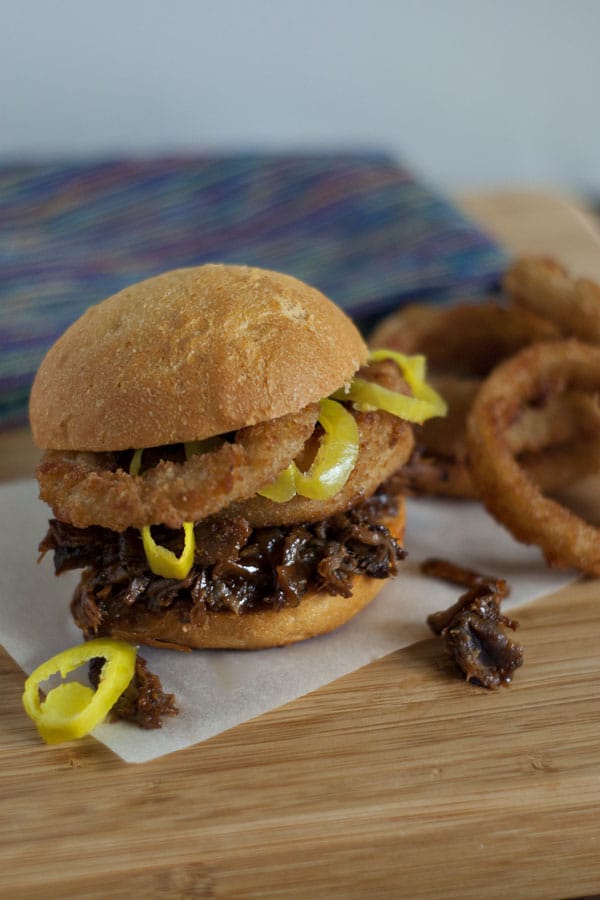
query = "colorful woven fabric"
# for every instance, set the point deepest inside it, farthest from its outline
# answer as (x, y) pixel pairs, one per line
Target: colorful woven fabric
(357, 226)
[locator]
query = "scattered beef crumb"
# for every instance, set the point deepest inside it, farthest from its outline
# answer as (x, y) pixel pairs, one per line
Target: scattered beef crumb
(143, 701)
(474, 627)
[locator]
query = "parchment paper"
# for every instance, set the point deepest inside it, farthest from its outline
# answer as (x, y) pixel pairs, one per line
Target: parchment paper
(216, 690)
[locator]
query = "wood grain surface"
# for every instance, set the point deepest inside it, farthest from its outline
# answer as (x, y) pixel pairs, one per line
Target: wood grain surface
(398, 780)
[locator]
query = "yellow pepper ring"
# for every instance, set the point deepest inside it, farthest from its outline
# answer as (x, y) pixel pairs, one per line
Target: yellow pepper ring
(71, 710)
(335, 457)
(424, 404)
(284, 486)
(339, 449)
(414, 370)
(367, 396)
(331, 466)
(162, 561)
(136, 462)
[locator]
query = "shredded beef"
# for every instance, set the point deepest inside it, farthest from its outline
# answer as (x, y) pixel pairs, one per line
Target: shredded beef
(143, 701)
(235, 568)
(474, 627)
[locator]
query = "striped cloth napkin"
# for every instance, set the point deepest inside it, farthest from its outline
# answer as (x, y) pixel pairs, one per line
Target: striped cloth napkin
(358, 226)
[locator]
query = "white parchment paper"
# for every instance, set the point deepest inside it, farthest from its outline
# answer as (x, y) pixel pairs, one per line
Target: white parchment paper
(216, 690)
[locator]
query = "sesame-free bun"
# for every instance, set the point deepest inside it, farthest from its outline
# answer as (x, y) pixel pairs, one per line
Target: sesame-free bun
(190, 354)
(317, 613)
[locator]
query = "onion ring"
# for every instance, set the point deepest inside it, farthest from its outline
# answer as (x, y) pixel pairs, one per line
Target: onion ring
(549, 438)
(447, 435)
(464, 339)
(551, 420)
(507, 492)
(83, 490)
(543, 286)
(463, 344)
(560, 466)
(385, 443)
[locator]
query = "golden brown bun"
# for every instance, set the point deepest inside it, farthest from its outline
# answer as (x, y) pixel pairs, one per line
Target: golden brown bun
(190, 354)
(318, 613)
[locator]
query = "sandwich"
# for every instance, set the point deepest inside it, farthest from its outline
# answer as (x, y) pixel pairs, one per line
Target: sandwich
(221, 460)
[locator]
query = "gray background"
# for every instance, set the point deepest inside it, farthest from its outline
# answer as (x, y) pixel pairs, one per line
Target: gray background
(469, 93)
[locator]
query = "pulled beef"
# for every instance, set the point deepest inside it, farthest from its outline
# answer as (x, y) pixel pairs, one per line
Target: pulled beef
(235, 568)
(474, 627)
(143, 702)
(76, 548)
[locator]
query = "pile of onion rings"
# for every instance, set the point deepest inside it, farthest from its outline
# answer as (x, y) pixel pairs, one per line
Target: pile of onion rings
(524, 414)
(465, 339)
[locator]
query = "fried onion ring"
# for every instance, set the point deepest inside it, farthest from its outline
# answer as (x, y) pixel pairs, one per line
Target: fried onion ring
(543, 286)
(82, 489)
(550, 438)
(505, 488)
(463, 343)
(463, 339)
(385, 443)
(551, 420)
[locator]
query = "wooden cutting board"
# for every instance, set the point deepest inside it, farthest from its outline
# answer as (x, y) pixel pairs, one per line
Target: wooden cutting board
(398, 780)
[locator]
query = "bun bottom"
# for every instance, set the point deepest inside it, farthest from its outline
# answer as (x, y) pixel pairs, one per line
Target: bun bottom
(317, 613)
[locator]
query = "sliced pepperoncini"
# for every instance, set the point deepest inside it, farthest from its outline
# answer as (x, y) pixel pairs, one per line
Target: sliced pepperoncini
(331, 466)
(414, 369)
(203, 446)
(161, 560)
(424, 404)
(335, 457)
(284, 486)
(71, 710)
(136, 462)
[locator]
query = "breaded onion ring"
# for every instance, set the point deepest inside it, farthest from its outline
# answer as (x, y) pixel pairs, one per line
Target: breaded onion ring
(560, 466)
(549, 438)
(551, 420)
(507, 492)
(543, 286)
(463, 343)
(82, 490)
(560, 419)
(385, 443)
(464, 339)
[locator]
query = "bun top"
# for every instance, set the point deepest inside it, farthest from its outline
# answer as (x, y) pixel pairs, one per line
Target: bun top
(189, 354)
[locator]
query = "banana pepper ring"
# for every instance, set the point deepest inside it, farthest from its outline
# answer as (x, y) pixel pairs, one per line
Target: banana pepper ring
(332, 465)
(424, 404)
(339, 448)
(162, 561)
(71, 710)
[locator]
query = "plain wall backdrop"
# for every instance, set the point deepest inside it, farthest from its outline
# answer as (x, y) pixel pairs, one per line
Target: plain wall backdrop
(469, 92)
